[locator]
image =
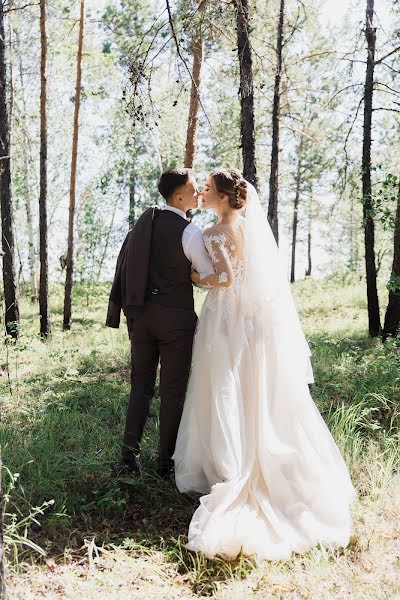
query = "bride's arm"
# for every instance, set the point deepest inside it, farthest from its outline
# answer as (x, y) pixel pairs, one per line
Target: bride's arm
(215, 244)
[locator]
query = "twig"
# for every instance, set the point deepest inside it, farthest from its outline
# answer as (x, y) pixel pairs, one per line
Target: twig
(377, 62)
(388, 109)
(345, 145)
(178, 50)
(15, 8)
(388, 87)
(348, 87)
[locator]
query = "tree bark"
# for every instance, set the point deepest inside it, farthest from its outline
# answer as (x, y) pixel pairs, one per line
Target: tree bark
(247, 127)
(374, 324)
(2, 573)
(132, 205)
(45, 327)
(392, 316)
(26, 178)
(274, 175)
(351, 236)
(309, 266)
(70, 265)
(7, 216)
(198, 53)
(107, 241)
(295, 209)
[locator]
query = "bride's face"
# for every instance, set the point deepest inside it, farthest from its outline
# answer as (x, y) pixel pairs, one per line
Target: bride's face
(210, 197)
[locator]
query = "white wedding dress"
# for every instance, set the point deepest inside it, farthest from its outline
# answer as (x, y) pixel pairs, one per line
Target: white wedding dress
(251, 439)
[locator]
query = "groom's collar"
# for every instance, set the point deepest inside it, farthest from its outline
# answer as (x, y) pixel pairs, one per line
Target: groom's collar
(178, 211)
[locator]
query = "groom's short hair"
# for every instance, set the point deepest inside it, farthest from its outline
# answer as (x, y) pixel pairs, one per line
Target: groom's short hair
(171, 180)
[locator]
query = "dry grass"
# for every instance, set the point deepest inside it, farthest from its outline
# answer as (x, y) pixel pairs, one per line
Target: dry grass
(369, 569)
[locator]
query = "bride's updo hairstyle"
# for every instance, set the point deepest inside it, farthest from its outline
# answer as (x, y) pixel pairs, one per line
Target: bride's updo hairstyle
(231, 183)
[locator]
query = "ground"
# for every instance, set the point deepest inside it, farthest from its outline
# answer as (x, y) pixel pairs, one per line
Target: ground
(74, 531)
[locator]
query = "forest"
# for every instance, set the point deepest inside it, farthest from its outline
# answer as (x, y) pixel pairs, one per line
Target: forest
(97, 99)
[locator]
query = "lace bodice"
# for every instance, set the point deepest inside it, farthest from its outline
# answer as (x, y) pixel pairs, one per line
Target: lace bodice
(225, 247)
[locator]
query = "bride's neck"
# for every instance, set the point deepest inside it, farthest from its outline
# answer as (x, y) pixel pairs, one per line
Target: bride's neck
(226, 216)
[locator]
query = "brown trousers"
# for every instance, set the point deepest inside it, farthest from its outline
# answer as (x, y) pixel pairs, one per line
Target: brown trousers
(160, 334)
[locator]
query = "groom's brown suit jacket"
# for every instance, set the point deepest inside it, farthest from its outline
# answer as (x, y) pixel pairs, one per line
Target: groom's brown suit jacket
(152, 286)
(128, 290)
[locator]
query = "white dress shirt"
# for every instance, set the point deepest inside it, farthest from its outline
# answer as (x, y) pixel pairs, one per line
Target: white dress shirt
(193, 245)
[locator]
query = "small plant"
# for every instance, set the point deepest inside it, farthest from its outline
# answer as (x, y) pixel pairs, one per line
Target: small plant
(204, 574)
(17, 522)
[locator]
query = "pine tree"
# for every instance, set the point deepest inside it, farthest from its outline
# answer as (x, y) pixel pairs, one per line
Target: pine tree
(7, 210)
(246, 92)
(45, 328)
(369, 227)
(74, 161)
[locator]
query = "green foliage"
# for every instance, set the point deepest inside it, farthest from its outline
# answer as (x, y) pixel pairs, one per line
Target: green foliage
(384, 201)
(393, 284)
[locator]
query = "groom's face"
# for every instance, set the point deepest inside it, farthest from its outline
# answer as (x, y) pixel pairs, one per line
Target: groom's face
(188, 194)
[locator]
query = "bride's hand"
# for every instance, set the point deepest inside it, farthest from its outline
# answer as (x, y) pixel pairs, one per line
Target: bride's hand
(195, 277)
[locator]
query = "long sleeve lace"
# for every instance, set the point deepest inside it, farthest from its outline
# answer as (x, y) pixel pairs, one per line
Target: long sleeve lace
(216, 243)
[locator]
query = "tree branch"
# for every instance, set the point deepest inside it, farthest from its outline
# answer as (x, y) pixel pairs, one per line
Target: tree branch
(178, 50)
(388, 87)
(388, 109)
(346, 162)
(13, 9)
(348, 87)
(377, 62)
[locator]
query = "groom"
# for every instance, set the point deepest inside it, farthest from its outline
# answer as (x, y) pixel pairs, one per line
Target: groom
(152, 285)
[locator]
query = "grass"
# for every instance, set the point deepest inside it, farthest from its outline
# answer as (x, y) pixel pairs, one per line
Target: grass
(72, 530)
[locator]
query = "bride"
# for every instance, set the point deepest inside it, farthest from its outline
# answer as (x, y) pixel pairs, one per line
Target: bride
(251, 440)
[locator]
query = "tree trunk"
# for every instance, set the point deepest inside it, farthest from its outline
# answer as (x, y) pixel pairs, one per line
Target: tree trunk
(198, 52)
(132, 206)
(7, 216)
(45, 328)
(351, 236)
(107, 241)
(274, 176)
(68, 280)
(392, 316)
(295, 209)
(369, 228)
(2, 573)
(26, 178)
(247, 127)
(29, 220)
(309, 266)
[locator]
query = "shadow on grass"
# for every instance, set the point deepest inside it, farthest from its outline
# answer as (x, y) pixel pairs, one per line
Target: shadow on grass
(64, 448)
(65, 443)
